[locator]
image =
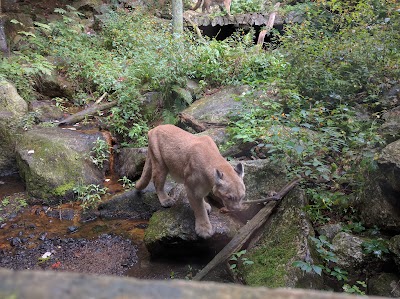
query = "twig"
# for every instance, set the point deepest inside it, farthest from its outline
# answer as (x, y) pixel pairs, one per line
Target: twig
(101, 98)
(277, 196)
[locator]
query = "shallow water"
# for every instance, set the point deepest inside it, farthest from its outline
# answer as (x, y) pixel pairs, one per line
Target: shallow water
(27, 230)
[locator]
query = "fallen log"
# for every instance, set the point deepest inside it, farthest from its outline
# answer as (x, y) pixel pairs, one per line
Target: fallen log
(95, 108)
(246, 231)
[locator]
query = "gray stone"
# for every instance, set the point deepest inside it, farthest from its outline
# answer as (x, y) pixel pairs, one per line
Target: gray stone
(131, 204)
(330, 230)
(217, 107)
(390, 129)
(385, 284)
(394, 247)
(172, 231)
(129, 162)
(52, 161)
(378, 200)
(12, 110)
(64, 285)
(45, 111)
(348, 250)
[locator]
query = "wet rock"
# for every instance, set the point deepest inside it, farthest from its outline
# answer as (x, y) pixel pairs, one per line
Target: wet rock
(384, 284)
(129, 162)
(72, 229)
(52, 161)
(62, 214)
(12, 110)
(43, 236)
(172, 231)
(15, 242)
(130, 205)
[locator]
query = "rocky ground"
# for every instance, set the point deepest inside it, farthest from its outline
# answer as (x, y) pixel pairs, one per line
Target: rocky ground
(107, 254)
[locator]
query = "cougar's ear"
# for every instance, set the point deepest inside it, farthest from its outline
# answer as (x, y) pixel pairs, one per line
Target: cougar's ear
(218, 176)
(240, 170)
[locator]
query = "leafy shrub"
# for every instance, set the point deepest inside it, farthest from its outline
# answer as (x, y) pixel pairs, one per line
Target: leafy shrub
(344, 51)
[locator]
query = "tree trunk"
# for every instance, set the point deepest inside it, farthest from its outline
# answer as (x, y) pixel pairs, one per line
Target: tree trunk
(177, 16)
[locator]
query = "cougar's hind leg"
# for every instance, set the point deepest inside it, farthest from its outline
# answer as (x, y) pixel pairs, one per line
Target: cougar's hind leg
(159, 176)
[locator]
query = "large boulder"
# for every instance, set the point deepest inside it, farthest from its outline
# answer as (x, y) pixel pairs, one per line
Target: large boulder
(284, 240)
(172, 231)
(378, 202)
(52, 161)
(217, 108)
(390, 129)
(13, 108)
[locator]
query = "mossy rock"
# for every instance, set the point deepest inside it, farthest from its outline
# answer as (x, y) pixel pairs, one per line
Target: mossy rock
(285, 239)
(12, 110)
(52, 161)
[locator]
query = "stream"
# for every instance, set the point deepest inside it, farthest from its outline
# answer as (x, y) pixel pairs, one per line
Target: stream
(56, 238)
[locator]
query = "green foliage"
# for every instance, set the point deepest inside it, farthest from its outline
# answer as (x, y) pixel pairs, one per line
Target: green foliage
(100, 152)
(235, 61)
(377, 247)
(355, 289)
(238, 257)
(26, 65)
(344, 51)
(307, 267)
(89, 195)
(245, 6)
(325, 251)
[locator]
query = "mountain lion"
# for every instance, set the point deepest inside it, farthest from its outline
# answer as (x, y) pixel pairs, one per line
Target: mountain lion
(196, 162)
(207, 3)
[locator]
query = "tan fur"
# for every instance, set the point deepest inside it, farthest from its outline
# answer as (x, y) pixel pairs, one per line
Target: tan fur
(196, 162)
(208, 3)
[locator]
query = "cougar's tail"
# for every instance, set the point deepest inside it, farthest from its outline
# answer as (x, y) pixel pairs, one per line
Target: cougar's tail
(146, 175)
(197, 4)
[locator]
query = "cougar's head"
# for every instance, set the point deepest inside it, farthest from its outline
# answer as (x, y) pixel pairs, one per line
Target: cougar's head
(229, 186)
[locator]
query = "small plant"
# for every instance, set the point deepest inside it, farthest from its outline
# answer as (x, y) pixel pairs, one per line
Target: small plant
(100, 153)
(238, 256)
(355, 289)
(126, 183)
(89, 195)
(377, 247)
(324, 248)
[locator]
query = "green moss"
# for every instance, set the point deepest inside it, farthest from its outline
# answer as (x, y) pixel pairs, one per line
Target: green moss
(63, 189)
(158, 225)
(277, 249)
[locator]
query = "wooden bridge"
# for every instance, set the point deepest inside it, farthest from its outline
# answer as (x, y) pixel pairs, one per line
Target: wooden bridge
(251, 19)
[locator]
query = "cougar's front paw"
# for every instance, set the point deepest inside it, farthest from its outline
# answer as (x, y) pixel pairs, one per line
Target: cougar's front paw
(167, 202)
(204, 230)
